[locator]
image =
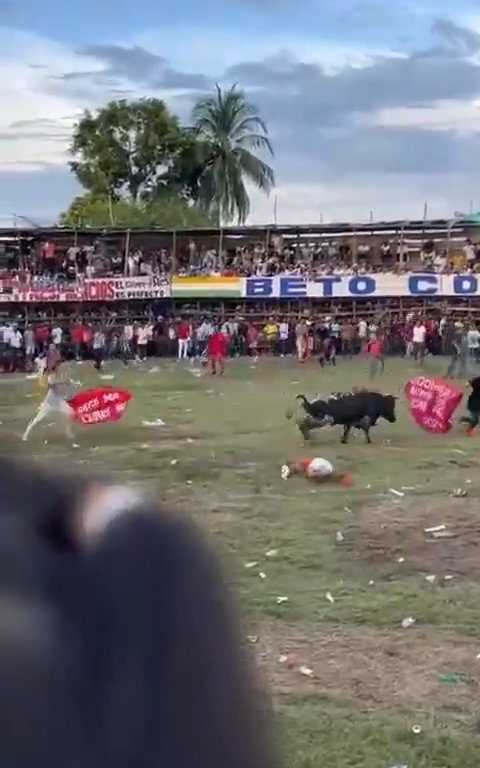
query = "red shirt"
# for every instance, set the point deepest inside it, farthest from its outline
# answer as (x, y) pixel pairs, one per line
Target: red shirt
(77, 334)
(87, 334)
(374, 348)
(48, 250)
(183, 331)
(217, 345)
(42, 333)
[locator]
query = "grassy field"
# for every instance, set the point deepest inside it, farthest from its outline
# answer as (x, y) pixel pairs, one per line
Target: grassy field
(218, 457)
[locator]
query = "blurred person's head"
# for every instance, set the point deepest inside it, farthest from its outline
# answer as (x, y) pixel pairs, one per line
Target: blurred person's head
(118, 643)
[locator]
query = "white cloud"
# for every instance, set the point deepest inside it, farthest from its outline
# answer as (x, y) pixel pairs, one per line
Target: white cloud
(459, 117)
(388, 196)
(35, 121)
(213, 50)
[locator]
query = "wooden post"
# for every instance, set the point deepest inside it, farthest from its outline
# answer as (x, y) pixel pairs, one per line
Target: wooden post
(174, 250)
(127, 252)
(220, 244)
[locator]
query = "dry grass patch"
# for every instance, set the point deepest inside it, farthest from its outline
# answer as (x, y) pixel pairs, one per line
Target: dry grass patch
(390, 530)
(375, 669)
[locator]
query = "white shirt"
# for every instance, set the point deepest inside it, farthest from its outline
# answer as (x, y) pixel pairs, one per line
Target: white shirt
(319, 468)
(204, 331)
(362, 329)
(57, 335)
(16, 339)
(128, 332)
(283, 331)
(419, 334)
(142, 336)
(469, 252)
(335, 329)
(473, 339)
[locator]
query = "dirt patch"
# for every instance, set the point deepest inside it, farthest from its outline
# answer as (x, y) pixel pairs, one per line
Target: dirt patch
(389, 530)
(376, 669)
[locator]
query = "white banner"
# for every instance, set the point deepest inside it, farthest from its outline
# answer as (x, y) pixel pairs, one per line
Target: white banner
(361, 286)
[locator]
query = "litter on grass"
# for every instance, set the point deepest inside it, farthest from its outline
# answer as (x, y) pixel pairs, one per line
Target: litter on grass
(408, 622)
(435, 529)
(271, 553)
(252, 564)
(431, 579)
(107, 377)
(282, 599)
(396, 493)
(452, 678)
(339, 537)
(306, 671)
(330, 597)
(154, 423)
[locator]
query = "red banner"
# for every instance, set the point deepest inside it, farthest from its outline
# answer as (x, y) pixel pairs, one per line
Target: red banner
(90, 289)
(97, 406)
(432, 403)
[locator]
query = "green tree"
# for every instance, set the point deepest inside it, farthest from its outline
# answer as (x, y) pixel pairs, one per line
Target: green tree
(125, 148)
(231, 133)
(167, 211)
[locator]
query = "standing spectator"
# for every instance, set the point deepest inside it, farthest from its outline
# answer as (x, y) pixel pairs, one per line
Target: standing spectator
(99, 342)
(283, 335)
(301, 340)
(183, 336)
(42, 337)
(459, 358)
(347, 334)
(419, 337)
(252, 341)
(16, 343)
(57, 336)
(469, 253)
(29, 342)
(204, 331)
(270, 332)
(127, 337)
(375, 353)
(362, 330)
(142, 341)
(335, 334)
(49, 257)
(76, 335)
(473, 340)
(172, 339)
(217, 352)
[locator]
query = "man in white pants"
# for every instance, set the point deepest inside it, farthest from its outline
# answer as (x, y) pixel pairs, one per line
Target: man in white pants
(183, 336)
(53, 404)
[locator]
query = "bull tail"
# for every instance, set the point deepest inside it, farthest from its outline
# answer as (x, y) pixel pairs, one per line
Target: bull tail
(306, 405)
(305, 402)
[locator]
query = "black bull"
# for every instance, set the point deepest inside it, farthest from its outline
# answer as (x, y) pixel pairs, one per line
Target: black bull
(360, 409)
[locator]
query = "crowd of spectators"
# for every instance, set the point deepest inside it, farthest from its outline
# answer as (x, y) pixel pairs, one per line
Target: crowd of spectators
(187, 337)
(46, 262)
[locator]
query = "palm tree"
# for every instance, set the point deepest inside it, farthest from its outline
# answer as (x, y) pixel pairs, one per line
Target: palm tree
(227, 125)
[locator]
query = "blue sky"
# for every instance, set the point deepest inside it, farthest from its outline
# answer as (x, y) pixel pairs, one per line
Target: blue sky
(371, 105)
